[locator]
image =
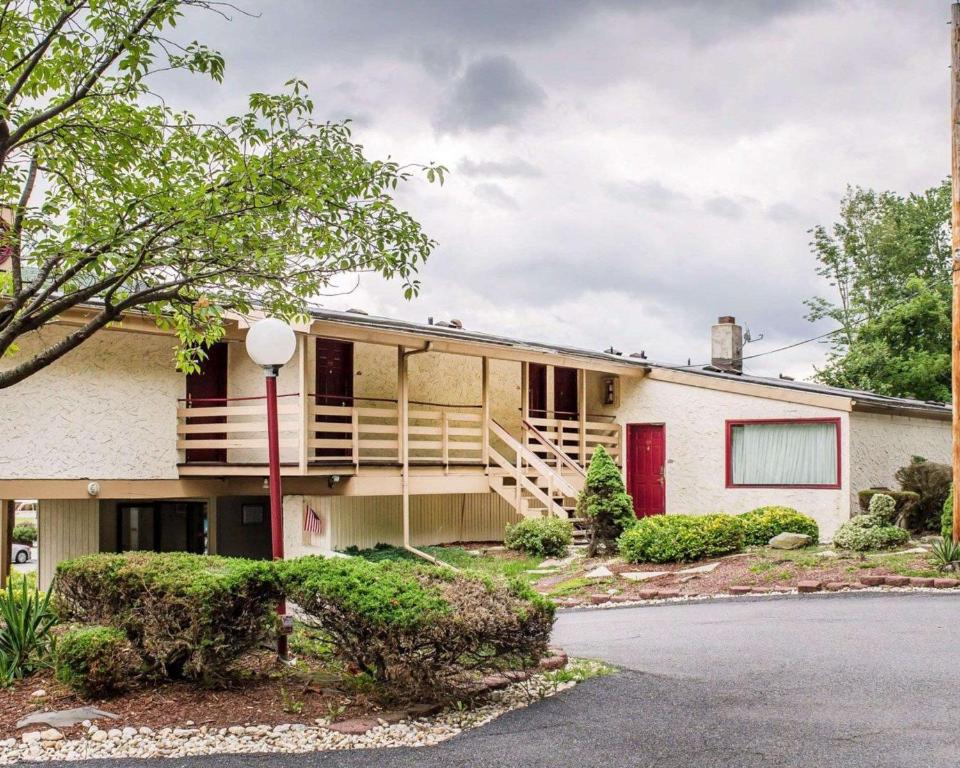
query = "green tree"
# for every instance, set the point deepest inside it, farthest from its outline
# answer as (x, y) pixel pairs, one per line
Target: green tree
(118, 200)
(604, 501)
(888, 258)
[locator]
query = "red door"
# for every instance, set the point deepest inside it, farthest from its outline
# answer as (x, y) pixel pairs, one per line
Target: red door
(537, 373)
(334, 386)
(208, 389)
(646, 457)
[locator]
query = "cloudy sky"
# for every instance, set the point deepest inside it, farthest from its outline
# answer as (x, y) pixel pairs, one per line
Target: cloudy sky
(621, 172)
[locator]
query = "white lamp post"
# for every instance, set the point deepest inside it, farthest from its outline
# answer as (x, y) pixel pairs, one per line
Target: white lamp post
(270, 344)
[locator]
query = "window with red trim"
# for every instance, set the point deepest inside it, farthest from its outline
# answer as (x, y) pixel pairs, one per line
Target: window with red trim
(783, 453)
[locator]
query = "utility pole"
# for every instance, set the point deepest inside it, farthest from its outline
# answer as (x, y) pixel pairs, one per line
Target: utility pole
(955, 221)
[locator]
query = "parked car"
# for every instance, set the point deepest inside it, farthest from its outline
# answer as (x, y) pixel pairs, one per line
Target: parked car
(21, 553)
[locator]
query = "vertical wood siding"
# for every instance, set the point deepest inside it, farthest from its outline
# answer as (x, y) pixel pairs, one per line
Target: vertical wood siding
(67, 528)
(365, 521)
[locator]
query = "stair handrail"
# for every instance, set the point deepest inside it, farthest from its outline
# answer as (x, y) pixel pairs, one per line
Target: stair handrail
(558, 481)
(555, 449)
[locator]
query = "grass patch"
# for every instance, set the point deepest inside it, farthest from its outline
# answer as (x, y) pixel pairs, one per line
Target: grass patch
(575, 584)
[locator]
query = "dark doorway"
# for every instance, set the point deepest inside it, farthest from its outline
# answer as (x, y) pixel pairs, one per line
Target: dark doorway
(537, 374)
(565, 398)
(162, 526)
(208, 389)
(334, 386)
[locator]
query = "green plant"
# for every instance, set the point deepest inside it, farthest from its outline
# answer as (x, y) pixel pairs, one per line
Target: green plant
(884, 507)
(946, 555)
(678, 538)
(946, 517)
(25, 533)
(762, 524)
(931, 482)
(543, 536)
(907, 501)
(187, 616)
(97, 661)
(26, 621)
(604, 502)
(865, 532)
(414, 628)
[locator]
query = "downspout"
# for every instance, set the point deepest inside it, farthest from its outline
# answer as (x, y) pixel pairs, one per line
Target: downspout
(403, 405)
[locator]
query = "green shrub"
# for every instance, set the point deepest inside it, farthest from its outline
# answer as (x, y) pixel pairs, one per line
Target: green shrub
(931, 482)
(25, 533)
(543, 536)
(946, 517)
(884, 507)
(97, 661)
(187, 616)
(907, 501)
(762, 524)
(678, 538)
(26, 620)
(865, 532)
(604, 502)
(415, 628)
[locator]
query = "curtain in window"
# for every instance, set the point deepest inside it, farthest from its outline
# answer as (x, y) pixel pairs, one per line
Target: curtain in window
(784, 454)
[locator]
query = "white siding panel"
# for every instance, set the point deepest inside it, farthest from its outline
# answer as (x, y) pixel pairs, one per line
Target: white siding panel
(68, 528)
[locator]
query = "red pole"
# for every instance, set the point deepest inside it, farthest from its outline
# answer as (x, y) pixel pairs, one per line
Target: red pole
(276, 497)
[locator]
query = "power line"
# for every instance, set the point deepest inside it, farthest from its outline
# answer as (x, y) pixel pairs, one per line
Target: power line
(761, 354)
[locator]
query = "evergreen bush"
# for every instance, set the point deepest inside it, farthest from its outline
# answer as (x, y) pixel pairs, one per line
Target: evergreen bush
(539, 536)
(604, 503)
(931, 482)
(680, 538)
(96, 661)
(884, 507)
(946, 517)
(762, 524)
(187, 616)
(417, 629)
(865, 532)
(25, 533)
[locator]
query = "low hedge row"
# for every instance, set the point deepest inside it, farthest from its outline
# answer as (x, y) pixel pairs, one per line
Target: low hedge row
(539, 536)
(681, 538)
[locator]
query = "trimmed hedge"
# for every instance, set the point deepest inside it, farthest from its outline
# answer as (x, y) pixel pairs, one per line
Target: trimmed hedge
(542, 537)
(25, 533)
(907, 501)
(187, 616)
(762, 524)
(679, 538)
(97, 661)
(946, 517)
(417, 629)
(865, 532)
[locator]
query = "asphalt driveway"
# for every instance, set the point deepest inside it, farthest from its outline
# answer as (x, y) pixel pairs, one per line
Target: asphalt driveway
(839, 681)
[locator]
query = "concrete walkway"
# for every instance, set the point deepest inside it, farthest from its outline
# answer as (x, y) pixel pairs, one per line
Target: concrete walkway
(838, 681)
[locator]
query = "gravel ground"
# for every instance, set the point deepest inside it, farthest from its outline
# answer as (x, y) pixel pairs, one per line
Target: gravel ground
(96, 742)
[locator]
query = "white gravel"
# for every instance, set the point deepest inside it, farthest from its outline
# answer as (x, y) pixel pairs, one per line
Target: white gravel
(50, 744)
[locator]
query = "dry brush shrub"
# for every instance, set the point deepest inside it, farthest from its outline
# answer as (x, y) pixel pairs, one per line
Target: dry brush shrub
(418, 630)
(97, 661)
(187, 616)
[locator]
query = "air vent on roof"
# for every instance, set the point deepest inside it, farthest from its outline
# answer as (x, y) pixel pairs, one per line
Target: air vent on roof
(613, 351)
(454, 323)
(786, 378)
(356, 311)
(642, 355)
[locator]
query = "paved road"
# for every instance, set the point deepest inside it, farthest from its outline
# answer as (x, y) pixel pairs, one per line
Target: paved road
(866, 680)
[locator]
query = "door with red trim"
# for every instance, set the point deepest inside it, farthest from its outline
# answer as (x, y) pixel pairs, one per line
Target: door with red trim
(208, 389)
(646, 462)
(334, 386)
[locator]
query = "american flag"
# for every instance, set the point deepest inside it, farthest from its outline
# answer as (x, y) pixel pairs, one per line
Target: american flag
(312, 522)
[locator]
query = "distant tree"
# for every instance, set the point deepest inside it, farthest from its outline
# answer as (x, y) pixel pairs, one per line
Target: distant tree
(605, 503)
(888, 257)
(118, 200)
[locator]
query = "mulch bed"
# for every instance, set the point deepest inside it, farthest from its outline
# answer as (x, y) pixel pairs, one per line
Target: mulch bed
(266, 695)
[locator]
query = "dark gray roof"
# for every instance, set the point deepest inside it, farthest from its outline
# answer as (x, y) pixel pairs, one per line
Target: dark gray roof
(862, 400)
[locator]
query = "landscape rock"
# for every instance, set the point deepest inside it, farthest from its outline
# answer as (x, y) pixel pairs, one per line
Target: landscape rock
(51, 734)
(872, 580)
(354, 726)
(788, 540)
(896, 581)
(647, 594)
(30, 737)
(808, 586)
(945, 583)
(65, 717)
(600, 572)
(740, 589)
(556, 660)
(668, 593)
(40, 693)
(642, 575)
(708, 568)
(921, 582)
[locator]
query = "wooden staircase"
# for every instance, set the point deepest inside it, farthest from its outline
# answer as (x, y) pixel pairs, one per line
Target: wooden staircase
(533, 485)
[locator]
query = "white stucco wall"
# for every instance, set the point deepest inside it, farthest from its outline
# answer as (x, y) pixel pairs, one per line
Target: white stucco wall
(882, 443)
(105, 410)
(695, 421)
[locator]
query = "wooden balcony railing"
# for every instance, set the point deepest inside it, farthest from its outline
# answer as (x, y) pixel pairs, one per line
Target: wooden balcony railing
(576, 443)
(211, 425)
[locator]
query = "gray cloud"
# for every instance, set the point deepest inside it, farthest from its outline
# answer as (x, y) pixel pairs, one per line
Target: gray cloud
(514, 167)
(724, 206)
(495, 194)
(493, 91)
(649, 193)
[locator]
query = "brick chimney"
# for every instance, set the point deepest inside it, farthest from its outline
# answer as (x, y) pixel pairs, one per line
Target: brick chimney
(726, 345)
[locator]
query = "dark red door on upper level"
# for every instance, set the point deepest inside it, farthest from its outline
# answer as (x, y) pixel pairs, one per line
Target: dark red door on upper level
(208, 389)
(565, 404)
(646, 462)
(334, 386)
(537, 373)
